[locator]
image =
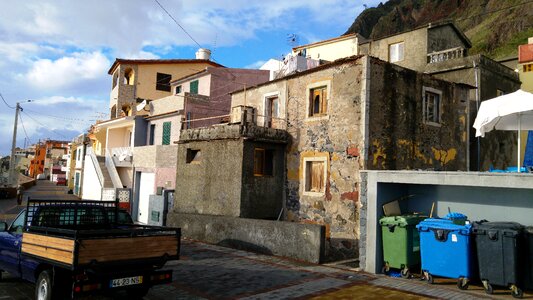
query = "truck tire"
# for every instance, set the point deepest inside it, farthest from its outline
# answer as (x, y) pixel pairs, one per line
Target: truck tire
(44, 286)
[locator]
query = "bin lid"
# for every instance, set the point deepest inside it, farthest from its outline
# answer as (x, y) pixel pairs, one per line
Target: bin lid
(499, 226)
(445, 224)
(455, 216)
(402, 221)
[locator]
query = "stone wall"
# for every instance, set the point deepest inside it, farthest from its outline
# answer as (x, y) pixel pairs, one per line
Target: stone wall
(399, 138)
(297, 241)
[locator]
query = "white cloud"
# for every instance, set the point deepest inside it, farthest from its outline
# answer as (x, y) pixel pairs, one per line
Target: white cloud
(68, 70)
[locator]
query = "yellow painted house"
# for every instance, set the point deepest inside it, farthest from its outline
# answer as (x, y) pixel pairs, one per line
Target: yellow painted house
(135, 80)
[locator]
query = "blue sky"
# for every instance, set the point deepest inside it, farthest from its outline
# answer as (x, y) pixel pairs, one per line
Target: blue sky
(57, 52)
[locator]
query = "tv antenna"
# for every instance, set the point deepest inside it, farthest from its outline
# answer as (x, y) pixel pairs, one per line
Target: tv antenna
(293, 39)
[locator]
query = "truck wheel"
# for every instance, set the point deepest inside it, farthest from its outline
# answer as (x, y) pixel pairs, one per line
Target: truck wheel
(137, 293)
(43, 286)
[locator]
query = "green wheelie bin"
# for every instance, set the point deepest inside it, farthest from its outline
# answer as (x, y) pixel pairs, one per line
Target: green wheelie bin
(401, 243)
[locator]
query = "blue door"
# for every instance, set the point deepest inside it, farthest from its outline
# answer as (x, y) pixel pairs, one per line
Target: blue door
(10, 242)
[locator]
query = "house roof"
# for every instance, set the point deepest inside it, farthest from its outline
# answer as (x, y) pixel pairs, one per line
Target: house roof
(460, 33)
(119, 61)
(335, 39)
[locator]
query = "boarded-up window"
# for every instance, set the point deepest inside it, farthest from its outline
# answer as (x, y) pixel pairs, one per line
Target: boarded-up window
(431, 107)
(396, 52)
(263, 162)
(318, 102)
(166, 133)
(314, 177)
(163, 82)
(271, 110)
(193, 89)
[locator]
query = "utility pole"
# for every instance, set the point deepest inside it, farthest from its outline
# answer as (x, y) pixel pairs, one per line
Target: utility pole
(12, 180)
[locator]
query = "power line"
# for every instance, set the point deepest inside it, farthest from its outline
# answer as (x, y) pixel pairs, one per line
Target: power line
(24, 128)
(44, 125)
(5, 102)
(58, 117)
(175, 21)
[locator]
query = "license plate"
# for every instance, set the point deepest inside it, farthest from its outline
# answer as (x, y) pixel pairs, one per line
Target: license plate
(126, 281)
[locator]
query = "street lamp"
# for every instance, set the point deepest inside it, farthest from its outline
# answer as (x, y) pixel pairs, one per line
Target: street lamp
(12, 180)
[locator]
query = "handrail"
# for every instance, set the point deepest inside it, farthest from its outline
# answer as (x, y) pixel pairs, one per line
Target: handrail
(112, 169)
(91, 154)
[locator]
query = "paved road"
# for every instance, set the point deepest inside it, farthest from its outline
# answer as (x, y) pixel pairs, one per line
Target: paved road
(213, 272)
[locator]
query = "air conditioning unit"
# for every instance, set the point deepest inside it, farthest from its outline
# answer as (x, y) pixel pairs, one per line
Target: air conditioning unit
(242, 114)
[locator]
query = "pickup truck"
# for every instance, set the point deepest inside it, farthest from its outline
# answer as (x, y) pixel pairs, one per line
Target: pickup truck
(71, 248)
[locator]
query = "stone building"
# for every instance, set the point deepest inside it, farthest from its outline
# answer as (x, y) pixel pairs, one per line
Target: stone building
(441, 49)
(232, 170)
(354, 114)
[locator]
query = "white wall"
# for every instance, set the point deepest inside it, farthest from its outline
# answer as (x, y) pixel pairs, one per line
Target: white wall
(92, 190)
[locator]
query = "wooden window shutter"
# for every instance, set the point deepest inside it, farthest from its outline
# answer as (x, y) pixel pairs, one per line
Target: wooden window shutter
(194, 87)
(166, 133)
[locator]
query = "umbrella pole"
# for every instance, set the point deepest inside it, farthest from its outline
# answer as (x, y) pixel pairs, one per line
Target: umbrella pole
(519, 139)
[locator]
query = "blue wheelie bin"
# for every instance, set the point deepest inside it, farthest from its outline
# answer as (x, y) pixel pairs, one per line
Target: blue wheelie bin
(446, 250)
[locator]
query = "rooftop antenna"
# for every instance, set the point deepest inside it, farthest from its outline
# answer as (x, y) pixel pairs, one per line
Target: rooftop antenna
(293, 39)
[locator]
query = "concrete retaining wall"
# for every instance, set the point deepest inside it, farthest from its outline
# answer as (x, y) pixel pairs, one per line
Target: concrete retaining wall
(299, 241)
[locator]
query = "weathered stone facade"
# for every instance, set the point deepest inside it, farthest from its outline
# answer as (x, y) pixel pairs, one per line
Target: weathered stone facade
(373, 120)
(215, 170)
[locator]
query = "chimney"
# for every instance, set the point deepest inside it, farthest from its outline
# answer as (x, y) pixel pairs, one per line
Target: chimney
(203, 53)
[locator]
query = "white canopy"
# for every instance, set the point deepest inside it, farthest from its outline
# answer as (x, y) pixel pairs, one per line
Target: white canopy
(512, 111)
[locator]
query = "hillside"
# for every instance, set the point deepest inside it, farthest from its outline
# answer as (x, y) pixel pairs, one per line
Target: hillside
(495, 27)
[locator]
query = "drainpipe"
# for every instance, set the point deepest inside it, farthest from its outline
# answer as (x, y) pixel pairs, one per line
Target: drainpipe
(365, 99)
(477, 111)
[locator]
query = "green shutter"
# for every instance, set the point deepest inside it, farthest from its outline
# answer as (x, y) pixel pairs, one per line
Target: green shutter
(194, 87)
(166, 133)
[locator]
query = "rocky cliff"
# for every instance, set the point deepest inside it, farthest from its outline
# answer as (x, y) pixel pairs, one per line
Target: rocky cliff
(495, 27)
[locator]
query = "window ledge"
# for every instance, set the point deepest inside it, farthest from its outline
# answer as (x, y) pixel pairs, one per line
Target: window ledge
(433, 124)
(314, 194)
(319, 118)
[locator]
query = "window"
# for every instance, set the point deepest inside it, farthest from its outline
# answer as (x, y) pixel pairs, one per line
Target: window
(318, 101)
(166, 133)
(431, 106)
(163, 82)
(178, 89)
(128, 76)
(193, 88)
(314, 176)
(263, 162)
(193, 156)
(152, 133)
(396, 52)
(271, 107)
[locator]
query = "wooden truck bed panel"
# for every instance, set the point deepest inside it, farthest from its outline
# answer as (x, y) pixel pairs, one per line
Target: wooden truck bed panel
(52, 248)
(115, 249)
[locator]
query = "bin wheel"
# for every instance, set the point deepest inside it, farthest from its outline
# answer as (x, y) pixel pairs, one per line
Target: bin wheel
(405, 273)
(488, 287)
(385, 270)
(463, 283)
(517, 292)
(429, 278)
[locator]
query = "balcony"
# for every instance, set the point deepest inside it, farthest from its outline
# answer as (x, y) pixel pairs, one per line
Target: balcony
(122, 156)
(445, 55)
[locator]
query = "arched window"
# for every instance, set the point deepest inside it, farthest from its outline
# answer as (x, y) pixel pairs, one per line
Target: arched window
(129, 76)
(114, 111)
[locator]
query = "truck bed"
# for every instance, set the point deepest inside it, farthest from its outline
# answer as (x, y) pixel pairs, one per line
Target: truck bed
(52, 237)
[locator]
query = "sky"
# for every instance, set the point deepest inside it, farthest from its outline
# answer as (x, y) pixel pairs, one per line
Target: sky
(56, 53)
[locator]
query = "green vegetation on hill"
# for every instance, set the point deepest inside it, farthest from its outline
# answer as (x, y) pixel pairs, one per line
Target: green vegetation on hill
(495, 27)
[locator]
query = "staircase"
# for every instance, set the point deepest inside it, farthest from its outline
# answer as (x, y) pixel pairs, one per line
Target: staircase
(107, 178)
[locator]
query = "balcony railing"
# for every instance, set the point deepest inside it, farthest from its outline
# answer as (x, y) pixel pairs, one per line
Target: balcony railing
(444, 55)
